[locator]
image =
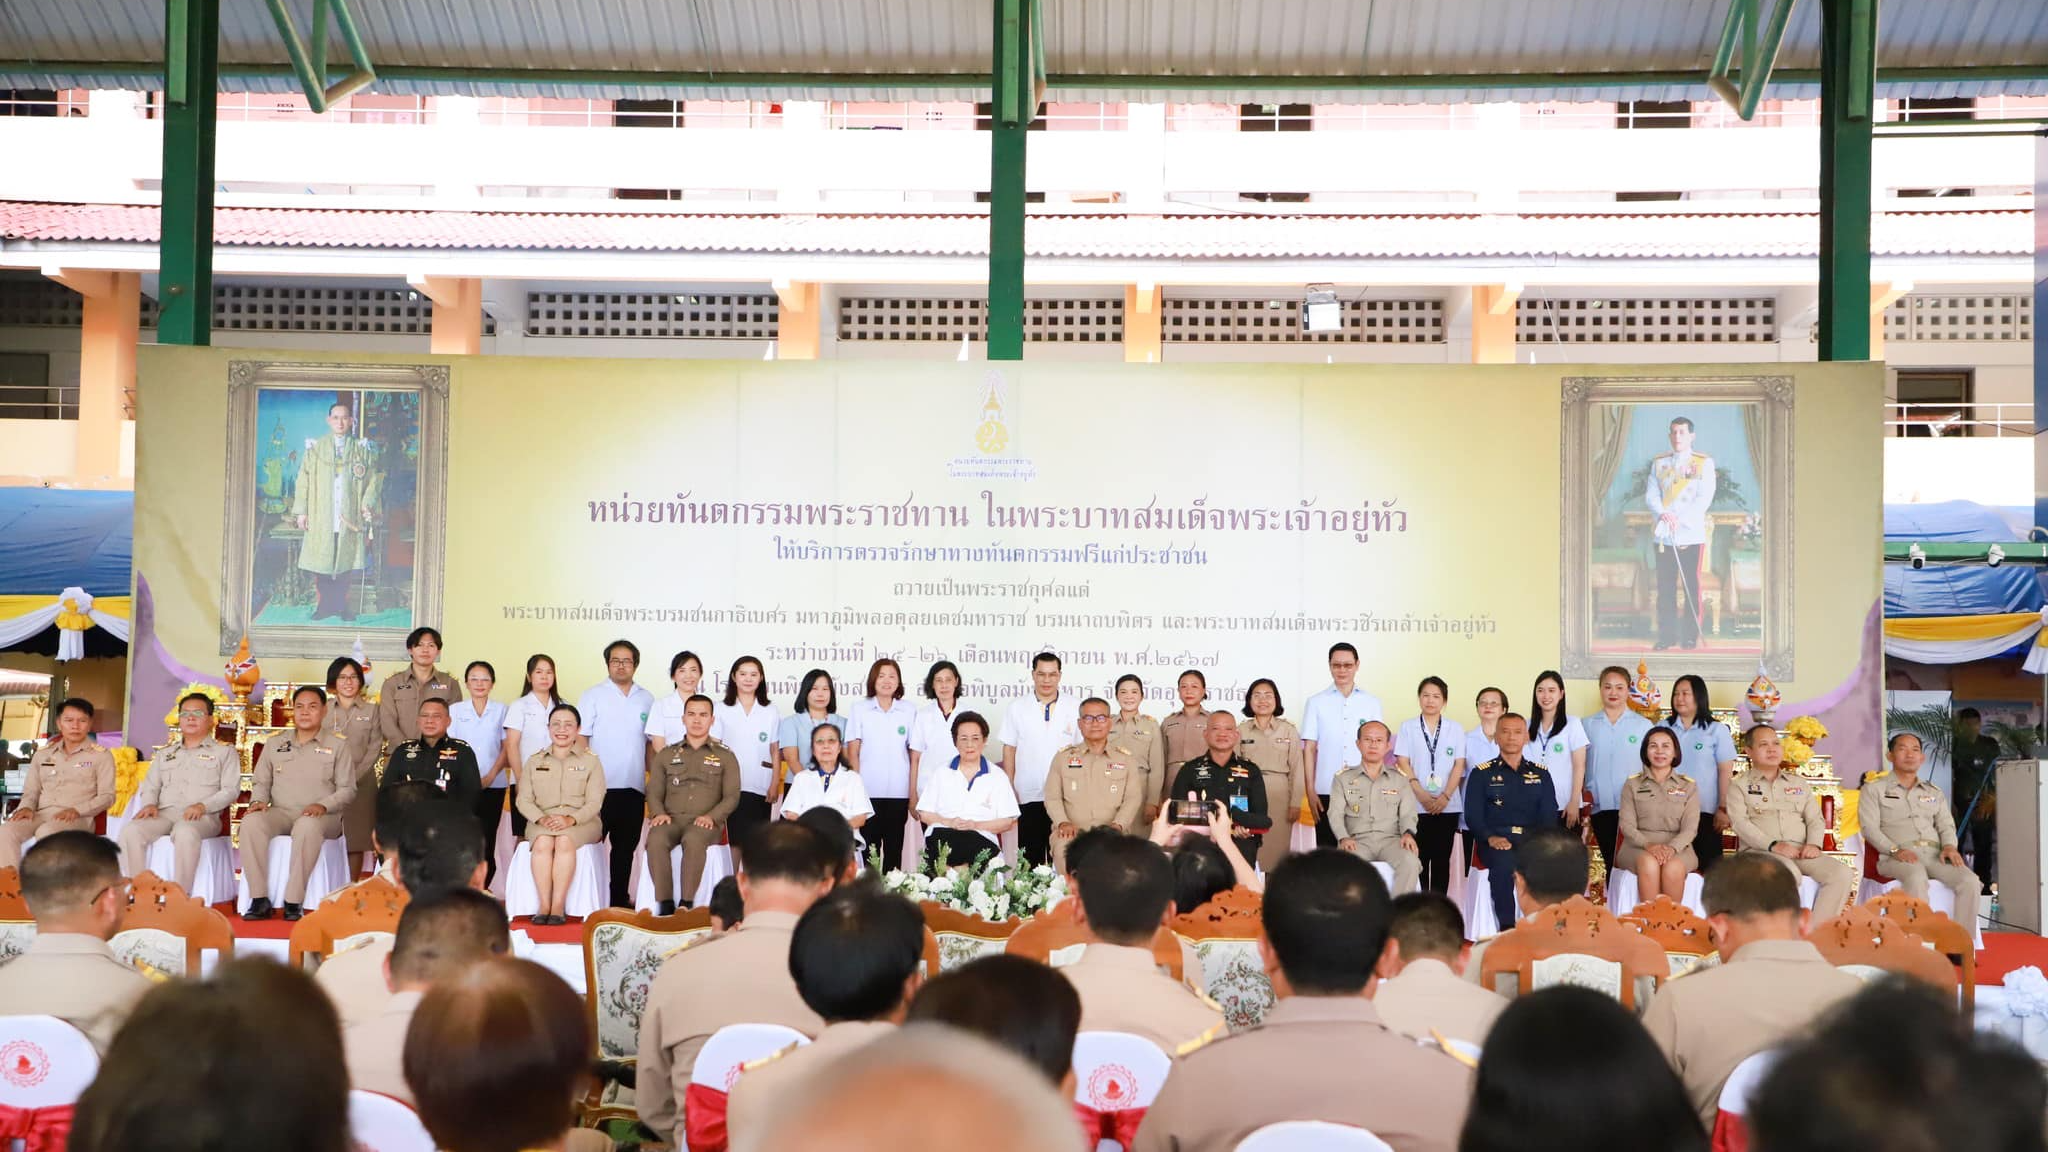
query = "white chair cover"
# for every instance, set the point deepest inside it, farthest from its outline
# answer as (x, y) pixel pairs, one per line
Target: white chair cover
(1578, 970)
(378, 1123)
(1868, 973)
(1386, 872)
(160, 950)
(717, 866)
(1312, 1136)
(1808, 889)
(1744, 1081)
(44, 1062)
(330, 871)
(1480, 918)
(589, 889)
(1940, 897)
(1624, 892)
(733, 1046)
(1117, 1071)
(214, 881)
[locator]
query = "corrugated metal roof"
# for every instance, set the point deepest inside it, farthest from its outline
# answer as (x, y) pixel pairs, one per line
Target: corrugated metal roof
(1529, 236)
(1156, 38)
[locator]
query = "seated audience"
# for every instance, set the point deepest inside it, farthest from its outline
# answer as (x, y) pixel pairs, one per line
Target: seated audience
(855, 957)
(440, 935)
(1021, 1005)
(1171, 836)
(963, 801)
(725, 905)
(302, 783)
(925, 1087)
(191, 781)
(1897, 1069)
(1201, 872)
(1420, 993)
(1123, 895)
(561, 793)
(392, 806)
(248, 1058)
(73, 885)
(1551, 867)
(497, 1055)
(1324, 927)
(68, 782)
(1373, 813)
(739, 978)
(828, 781)
(837, 833)
(1569, 1070)
(1771, 982)
(1083, 843)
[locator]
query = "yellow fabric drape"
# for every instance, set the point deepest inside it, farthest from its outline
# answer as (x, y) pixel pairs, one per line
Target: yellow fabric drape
(12, 606)
(1939, 628)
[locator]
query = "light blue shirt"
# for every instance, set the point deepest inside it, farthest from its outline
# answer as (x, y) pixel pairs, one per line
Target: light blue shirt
(795, 732)
(1702, 749)
(1613, 754)
(484, 734)
(616, 724)
(1332, 720)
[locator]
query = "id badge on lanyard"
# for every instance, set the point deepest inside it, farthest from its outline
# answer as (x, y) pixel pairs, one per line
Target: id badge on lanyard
(1429, 741)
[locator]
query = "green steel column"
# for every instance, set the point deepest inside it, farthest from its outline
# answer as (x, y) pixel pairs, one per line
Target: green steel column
(1848, 74)
(185, 261)
(1013, 103)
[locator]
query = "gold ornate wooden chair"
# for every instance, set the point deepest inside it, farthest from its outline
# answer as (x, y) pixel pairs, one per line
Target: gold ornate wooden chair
(357, 914)
(1052, 938)
(1947, 936)
(1222, 959)
(1686, 938)
(1868, 943)
(166, 930)
(1576, 942)
(963, 936)
(622, 951)
(17, 927)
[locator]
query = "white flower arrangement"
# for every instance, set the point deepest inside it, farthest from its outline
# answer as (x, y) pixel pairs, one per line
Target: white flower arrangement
(988, 888)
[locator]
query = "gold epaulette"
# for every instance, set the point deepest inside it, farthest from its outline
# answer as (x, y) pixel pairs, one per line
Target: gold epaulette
(1200, 1042)
(1443, 1043)
(151, 971)
(1206, 1001)
(772, 1057)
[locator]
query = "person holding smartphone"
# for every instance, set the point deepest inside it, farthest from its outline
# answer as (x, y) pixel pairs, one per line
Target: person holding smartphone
(1221, 774)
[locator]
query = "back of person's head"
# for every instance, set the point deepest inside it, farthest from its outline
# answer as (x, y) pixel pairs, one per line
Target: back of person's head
(928, 1086)
(855, 953)
(394, 805)
(496, 1056)
(1200, 873)
(725, 904)
(1020, 1004)
(249, 1057)
(1896, 1068)
(1748, 885)
(1427, 926)
(66, 871)
(441, 933)
(1084, 842)
(1124, 887)
(831, 826)
(1553, 866)
(789, 852)
(1325, 918)
(1529, 1094)
(439, 847)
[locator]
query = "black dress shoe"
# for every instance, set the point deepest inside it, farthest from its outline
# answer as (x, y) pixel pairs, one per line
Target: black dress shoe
(294, 912)
(668, 908)
(259, 909)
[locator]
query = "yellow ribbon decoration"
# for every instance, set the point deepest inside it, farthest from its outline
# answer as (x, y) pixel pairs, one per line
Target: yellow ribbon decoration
(71, 619)
(1951, 628)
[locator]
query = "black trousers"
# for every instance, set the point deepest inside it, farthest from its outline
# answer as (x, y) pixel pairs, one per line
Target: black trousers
(1034, 833)
(1324, 837)
(1678, 623)
(962, 846)
(1706, 844)
(490, 807)
(885, 828)
(623, 812)
(1434, 835)
(1607, 829)
(1983, 838)
(752, 813)
(1500, 880)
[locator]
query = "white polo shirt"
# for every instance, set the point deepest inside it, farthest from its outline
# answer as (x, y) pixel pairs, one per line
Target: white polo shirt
(949, 795)
(484, 734)
(528, 716)
(1554, 753)
(1435, 774)
(614, 721)
(811, 788)
(1037, 731)
(1332, 720)
(884, 738)
(931, 734)
(751, 736)
(665, 723)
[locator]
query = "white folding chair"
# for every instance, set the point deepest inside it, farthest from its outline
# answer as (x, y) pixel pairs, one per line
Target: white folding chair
(379, 1123)
(330, 871)
(1116, 1077)
(589, 889)
(1312, 1136)
(45, 1064)
(1729, 1112)
(719, 1062)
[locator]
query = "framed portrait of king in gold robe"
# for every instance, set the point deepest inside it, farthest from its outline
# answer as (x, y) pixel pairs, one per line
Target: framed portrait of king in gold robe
(337, 477)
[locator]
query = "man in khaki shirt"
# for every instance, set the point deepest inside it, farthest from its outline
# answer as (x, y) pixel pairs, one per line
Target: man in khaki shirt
(1771, 982)
(1777, 812)
(1092, 783)
(741, 977)
(1324, 926)
(440, 935)
(1909, 822)
(693, 789)
(1372, 809)
(188, 785)
(855, 956)
(303, 781)
(398, 702)
(1421, 993)
(68, 781)
(72, 883)
(1123, 895)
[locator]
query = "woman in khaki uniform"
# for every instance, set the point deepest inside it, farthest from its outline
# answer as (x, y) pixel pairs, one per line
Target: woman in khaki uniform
(1660, 814)
(1275, 746)
(352, 719)
(1139, 733)
(561, 792)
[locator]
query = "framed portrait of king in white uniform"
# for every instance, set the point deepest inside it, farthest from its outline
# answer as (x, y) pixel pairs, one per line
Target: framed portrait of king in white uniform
(1677, 525)
(337, 478)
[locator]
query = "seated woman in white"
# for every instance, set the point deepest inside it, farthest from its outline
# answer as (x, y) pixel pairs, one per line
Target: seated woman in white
(968, 805)
(561, 791)
(827, 781)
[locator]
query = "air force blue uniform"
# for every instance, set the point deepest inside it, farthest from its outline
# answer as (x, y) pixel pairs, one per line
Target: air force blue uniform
(1509, 801)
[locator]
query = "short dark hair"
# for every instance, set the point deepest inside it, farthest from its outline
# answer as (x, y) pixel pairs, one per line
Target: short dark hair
(75, 704)
(1125, 886)
(628, 645)
(1084, 842)
(1677, 750)
(1685, 420)
(725, 902)
(441, 933)
(318, 692)
(1094, 700)
(202, 697)
(1552, 864)
(1892, 745)
(676, 662)
(439, 847)
(395, 804)
(1128, 678)
(1749, 733)
(431, 701)
(1944, 1084)
(969, 717)
(413, 638)
(341, 404)
(67, 870)
(732, 687)
(1369, 723)
(291, 1081)
(1279, 705)
(483, 664)
(1750, 883)
(1021, 1005)
(1512, 715)
(853, 952)
(803, 692)
(1427, 924)
(931, 680)
(1051, 658)
(1547, 1042)
(1200, 873)
(495, 1057)
(832, 827)
(1341, 646)
(1442, 688)
(875, 672)
(1969, 714)
(342, 664)
(574, 712)
(1197, 674)
(1325, 915)
(787, 850)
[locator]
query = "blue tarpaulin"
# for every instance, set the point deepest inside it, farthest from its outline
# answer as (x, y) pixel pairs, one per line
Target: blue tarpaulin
(52, 539)
(1972, 589)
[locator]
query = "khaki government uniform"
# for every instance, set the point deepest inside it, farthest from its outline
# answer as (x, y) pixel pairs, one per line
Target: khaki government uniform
(1147, 747)
(1181, 739)
(1277, 752)
(571, 786)
(56, 780)
(360, 729)
(398, 702)
(1306, 1061)
(1123, 990)
(741, 977)
(684, 784)
(210, 774)
(1377, 813)
(769, 1085)
(1088, 789)
(1765, 812)
(1711, 1020)
(374, 1049)
(292, 775)
(354, 981)
(1917, 818)
(1653, 813)
(75, 978)
(1427, 998)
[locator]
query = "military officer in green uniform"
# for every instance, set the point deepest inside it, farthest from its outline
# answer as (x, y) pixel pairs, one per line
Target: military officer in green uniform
(691, 792)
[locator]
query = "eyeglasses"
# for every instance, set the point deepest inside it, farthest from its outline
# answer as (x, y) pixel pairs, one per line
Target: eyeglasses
(191, 715)
(625, 660)
(1102, 717)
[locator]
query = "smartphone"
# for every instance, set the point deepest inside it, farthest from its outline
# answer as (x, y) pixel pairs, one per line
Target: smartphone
(1192, 812)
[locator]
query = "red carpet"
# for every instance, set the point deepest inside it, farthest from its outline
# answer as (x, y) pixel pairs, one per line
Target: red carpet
(2005, 951)
(278, 928)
